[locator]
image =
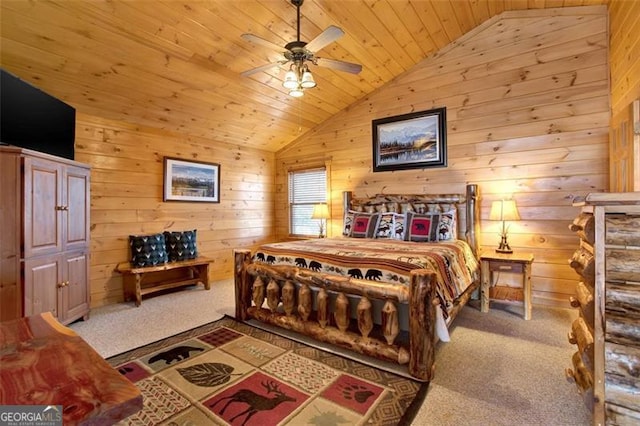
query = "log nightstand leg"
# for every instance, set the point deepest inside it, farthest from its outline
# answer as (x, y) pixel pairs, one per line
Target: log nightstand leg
(528, 294)
(484, 286)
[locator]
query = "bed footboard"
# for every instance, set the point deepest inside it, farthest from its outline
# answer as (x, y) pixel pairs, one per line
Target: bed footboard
(316, 305)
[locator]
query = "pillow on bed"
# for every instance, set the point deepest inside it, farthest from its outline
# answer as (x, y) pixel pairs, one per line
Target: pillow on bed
(422, 227)
(148, 250)
(348, 222)
(385, 226)
(398, 226)
(364, 225)
(448, 226)
(181, 245)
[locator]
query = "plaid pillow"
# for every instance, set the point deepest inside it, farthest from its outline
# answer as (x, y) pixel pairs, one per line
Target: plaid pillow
(147, 250)
(181, 245)
(422, 227)
(364, 225)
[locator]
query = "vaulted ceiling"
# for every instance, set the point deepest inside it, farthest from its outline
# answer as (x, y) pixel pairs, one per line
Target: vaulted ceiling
(176, 65)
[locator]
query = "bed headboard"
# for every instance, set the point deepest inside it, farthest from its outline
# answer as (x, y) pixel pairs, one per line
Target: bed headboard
(467, 206)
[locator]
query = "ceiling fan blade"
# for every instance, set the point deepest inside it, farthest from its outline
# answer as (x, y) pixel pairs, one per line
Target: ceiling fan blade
(266, 43)
(339, 65)
(331, 34)
(262, 68)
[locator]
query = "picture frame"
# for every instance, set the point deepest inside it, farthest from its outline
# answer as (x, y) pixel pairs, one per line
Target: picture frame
(192, 181)
(417, 140)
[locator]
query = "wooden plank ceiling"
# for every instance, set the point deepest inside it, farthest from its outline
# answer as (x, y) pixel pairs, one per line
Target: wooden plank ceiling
(175, 65)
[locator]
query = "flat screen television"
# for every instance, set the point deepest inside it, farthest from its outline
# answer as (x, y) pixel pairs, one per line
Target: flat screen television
(33, 119)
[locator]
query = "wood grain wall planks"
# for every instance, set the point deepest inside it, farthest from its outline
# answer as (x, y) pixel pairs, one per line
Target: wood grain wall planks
(527, 97)
(126, 197)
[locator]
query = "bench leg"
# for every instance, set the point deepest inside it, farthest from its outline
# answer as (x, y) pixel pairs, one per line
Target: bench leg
(138, 278)
(203, 271)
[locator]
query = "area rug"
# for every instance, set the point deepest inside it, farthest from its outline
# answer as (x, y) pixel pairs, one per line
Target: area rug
(231, 373)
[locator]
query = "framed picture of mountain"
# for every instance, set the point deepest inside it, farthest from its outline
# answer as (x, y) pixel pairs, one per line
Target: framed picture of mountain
(186, 180)
(417, 140)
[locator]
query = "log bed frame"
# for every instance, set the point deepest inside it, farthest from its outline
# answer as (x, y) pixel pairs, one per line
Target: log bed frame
(283, 285)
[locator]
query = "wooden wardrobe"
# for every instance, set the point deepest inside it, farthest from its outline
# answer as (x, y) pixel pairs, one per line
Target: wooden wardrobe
(44, 243)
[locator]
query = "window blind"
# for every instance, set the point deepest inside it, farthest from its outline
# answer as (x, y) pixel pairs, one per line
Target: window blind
(306, 189)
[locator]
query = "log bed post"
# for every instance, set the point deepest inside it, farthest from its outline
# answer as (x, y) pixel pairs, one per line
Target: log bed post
(242, 258)
(472, 216)
(422, 324)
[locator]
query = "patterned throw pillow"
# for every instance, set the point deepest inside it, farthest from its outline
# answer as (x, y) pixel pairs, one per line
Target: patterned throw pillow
(364, 225)
(447, 229)
(348, 223)
(422, 227)
(148, 250)
(398, 226)
(181, 245)
(385, 226)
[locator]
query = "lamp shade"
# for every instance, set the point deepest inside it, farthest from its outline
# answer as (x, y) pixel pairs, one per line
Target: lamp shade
(290, 80)
(320, 211)
(307, 80)
(504, 210)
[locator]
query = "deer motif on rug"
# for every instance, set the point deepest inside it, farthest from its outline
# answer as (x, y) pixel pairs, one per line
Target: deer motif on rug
(255, 401)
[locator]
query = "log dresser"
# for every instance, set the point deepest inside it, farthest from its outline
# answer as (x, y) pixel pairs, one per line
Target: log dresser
(606, 366)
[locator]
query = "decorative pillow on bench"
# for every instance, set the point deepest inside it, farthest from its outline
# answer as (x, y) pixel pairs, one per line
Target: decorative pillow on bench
(148, 250)
(181, 245)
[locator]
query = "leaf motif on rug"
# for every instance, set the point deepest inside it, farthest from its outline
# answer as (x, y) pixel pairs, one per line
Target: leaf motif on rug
(329, 419)
(209, 374)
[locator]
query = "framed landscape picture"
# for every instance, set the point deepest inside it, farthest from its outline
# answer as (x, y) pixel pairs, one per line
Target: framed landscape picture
(191, 181)
(416, 140)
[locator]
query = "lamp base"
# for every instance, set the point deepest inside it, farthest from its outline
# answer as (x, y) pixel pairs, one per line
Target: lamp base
(504, 246)
(506, 251)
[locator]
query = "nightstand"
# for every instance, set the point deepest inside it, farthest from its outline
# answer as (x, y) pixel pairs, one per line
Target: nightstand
(514, 263)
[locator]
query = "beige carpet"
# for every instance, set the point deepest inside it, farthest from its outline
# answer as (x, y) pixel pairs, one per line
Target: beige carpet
(497, 370)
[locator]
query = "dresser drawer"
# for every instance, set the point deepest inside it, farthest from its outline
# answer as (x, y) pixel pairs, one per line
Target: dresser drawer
(622, 230)
(622, 264)
(623, 298)
(622, 329)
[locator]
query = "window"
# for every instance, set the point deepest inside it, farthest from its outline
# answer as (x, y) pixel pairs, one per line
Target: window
(306, 189)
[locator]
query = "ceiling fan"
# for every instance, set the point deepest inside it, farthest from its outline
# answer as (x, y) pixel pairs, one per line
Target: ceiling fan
(300, 53)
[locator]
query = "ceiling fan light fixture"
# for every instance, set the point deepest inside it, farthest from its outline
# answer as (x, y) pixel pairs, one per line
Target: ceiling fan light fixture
(290, 79)
(296, 93)
(307, 81)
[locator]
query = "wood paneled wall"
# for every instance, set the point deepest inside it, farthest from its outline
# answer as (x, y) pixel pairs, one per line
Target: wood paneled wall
(624, 61)
(527, 98)
(126, 197)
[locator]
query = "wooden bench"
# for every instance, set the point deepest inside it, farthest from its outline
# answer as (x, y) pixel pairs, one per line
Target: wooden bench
(139, 281)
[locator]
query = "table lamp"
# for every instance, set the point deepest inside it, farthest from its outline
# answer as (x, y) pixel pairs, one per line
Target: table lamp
(504, 210)
(321, 212)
